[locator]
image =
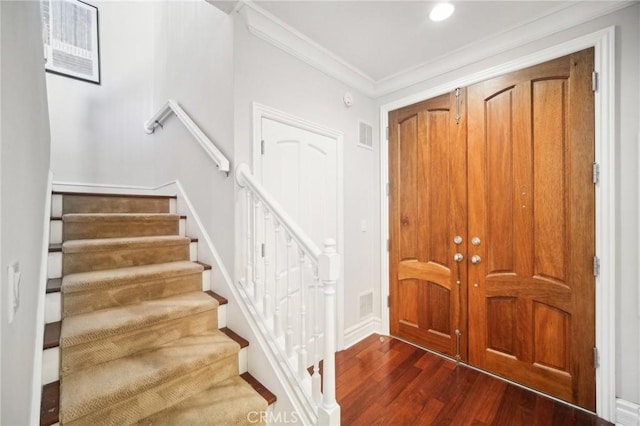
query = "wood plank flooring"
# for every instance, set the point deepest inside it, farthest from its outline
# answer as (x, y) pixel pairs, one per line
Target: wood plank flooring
(384, 381)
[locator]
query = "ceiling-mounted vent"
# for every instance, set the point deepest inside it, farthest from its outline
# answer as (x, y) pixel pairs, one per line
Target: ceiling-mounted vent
(365, 136)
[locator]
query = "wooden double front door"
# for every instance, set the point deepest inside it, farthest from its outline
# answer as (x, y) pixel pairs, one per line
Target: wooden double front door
(492, 226)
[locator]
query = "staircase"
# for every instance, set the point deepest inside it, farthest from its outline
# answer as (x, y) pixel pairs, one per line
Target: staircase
(138, 340)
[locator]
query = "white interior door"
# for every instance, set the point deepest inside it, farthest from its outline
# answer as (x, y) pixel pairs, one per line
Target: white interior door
(299, 168)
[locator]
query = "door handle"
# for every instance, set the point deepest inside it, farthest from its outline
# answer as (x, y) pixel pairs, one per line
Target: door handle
(475, 259)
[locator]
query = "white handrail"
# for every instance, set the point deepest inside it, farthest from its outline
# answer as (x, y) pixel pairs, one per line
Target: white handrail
(326, 270)
(172, 106)
(245, 179)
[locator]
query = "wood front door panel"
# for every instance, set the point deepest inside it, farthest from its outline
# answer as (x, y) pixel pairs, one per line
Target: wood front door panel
(515, 175)
(428, 203)
(531, 202)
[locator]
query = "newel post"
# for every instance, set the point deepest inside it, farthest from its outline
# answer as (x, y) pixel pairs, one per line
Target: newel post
(329, 273)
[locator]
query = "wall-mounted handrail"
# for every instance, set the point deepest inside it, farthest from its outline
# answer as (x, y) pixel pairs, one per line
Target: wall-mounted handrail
(210, 148)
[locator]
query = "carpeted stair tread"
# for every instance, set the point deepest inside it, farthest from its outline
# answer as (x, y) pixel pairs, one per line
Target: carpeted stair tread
(117, 217)
(232, 402)
(103, 244)
(111, 383)
(87, 327)
(94, 280)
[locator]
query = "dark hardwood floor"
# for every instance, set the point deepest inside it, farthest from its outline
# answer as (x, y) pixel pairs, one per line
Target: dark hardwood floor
(384, 381)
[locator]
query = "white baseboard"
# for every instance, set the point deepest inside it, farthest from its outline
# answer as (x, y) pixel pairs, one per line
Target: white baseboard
(627, 413)
(363, 329)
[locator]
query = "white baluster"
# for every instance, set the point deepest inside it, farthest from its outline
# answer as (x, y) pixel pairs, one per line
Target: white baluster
(257, 252)
(316, 379)
(266, 300)
(302, 351)
(277, 326)
(288, 337)
(248, 274)
(329, 270)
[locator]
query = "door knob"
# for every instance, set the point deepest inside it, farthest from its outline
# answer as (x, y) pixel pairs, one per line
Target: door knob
(475, 259)
(458, 257)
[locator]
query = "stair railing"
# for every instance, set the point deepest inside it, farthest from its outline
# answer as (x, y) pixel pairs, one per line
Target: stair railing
(172, 107)
(291, 284)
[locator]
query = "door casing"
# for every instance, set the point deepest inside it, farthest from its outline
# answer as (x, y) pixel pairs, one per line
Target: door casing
(603, 42)
(262, 111)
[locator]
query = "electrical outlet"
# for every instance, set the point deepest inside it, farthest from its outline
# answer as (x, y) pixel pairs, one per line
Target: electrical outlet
(13, 281)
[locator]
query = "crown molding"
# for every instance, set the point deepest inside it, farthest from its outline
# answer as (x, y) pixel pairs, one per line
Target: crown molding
(269, 28)
(562, 19)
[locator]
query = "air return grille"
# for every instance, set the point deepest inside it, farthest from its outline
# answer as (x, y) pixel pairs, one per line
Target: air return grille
(366, 304)
(365, 135)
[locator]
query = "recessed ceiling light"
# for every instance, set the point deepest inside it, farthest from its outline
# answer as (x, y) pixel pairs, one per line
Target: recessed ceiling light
(441, 11)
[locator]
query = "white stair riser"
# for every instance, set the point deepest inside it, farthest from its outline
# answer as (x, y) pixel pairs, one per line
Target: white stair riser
(206, 280)
(243, 363)
(222, 316)
(56, 205)
(52, 307)
(50, 365)
(182, 227)
(55, 233)
(193, 251)
(54, 265)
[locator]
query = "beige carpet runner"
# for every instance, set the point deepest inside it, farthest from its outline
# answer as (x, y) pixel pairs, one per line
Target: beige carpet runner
(140, 342)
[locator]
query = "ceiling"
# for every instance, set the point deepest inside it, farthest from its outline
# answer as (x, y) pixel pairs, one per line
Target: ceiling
(382, 39)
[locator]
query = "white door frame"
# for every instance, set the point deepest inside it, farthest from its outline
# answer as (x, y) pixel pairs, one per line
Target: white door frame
(262, 111)
(603, 42)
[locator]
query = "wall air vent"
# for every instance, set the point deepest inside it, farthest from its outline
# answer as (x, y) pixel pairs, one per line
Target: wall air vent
(365, 139)
(366, 304)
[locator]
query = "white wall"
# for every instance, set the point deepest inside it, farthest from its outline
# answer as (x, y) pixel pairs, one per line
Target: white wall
(271, 77)
(627, 22)
(150, 52)
(24, 174)
(194, 65)
(96, 130)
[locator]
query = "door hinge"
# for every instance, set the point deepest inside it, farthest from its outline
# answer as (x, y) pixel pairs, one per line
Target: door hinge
(594, 81)
(262, 249)
(262, 147)
(388, 301)
(596, 358)
(387, 189)
(388, 245)
(457, 92)
(386, 132)
(596, 266)
(596, 172)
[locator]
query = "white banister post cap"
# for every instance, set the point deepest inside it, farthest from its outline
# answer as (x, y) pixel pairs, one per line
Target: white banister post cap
(329, 262)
